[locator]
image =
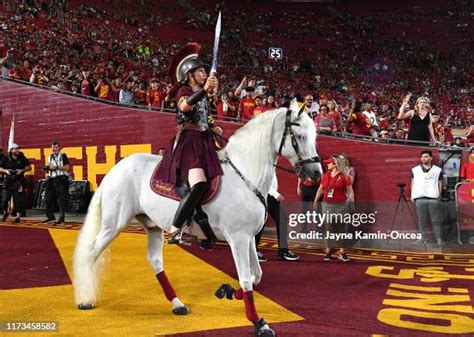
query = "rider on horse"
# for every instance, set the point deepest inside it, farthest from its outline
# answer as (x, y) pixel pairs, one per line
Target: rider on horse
(191, 160)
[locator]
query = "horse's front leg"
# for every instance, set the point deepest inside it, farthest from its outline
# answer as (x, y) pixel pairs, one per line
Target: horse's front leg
(241, 252)
(255, 267)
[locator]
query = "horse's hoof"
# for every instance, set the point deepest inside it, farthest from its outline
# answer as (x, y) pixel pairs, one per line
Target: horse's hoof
(262, 329)
(266, 333)
(225, 290)
(181, 311)
(85, 306)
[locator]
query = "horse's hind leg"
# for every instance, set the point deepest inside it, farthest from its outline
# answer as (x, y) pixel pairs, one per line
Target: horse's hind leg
(106, 235)
(241, 252)
(155, 258)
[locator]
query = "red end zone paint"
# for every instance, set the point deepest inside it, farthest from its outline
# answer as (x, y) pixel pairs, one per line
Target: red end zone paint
(30, 259)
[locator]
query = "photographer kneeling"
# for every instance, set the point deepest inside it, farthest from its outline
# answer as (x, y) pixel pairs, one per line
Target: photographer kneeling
(57, 184)
(14, 165)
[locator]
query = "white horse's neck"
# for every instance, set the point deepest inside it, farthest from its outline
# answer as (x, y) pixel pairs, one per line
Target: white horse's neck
(253, 152)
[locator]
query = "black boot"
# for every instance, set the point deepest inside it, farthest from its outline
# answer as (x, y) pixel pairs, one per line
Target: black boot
(189, 203)
(186, 209)
(203, 221)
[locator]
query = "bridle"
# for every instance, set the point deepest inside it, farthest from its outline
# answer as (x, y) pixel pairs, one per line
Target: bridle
(298, 168)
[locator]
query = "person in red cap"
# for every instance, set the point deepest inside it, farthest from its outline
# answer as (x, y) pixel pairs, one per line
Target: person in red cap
(334, 186)
(191, 161)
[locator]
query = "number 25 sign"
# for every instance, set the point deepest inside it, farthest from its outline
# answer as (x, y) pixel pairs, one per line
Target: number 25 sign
(275, 53)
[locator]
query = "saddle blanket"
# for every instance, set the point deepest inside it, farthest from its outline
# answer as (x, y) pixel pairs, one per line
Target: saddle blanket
(168, 190)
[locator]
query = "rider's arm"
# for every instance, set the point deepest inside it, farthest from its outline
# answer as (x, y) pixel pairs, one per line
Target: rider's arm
(185, 104)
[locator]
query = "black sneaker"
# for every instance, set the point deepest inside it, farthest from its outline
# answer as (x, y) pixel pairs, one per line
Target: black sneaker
(343, 257)
(327, 257)
(261, 257)
(17, 220)
(59, 222)
(49, 220)
(287, 255)
(206, 245)
(5, 217)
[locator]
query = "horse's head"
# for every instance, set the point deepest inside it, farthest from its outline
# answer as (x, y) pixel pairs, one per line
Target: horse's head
(297, 142)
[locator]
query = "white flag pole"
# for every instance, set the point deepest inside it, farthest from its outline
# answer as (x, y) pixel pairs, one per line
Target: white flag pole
(11, 137)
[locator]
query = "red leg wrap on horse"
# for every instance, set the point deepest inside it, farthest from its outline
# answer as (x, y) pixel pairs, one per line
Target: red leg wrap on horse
(167, 287)
(250, 310)
(239, 294)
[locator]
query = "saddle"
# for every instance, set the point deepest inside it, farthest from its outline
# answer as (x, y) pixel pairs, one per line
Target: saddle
(168, 190)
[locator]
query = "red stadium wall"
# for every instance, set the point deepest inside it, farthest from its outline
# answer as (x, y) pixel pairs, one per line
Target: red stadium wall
(97, 135)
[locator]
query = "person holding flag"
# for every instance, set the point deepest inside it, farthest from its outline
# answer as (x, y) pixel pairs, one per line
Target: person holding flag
(14, 165)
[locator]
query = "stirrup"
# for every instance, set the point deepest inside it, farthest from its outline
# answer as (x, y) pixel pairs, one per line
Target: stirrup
(181, 237)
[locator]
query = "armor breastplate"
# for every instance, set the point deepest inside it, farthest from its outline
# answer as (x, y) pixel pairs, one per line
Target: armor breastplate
(198, 115)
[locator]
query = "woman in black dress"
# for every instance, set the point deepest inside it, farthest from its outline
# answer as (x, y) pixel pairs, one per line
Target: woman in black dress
(421, 121)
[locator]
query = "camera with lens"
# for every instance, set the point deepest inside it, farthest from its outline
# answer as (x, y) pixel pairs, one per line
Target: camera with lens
(11, 179)
(11, 176)
(46, 169)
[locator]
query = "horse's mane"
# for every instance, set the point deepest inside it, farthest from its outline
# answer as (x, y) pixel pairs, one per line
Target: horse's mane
(252, 145)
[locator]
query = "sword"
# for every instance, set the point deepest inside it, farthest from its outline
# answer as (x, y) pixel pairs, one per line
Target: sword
(215, 50)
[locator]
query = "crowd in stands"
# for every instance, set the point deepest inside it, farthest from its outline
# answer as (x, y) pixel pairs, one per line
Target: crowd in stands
(120, 51)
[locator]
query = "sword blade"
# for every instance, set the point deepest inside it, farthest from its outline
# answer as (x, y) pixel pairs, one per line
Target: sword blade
(215, 50)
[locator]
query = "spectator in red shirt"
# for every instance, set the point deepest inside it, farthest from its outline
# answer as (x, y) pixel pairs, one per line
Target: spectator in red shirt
(306, 190)
(140, 93)
(360, 123)
(467, 169)
(87, 88)
(233, 104)
(15, 72)
(38, 77)
(25, 71)
(225, 107)
(334, 186)
(437, 127)
(259, 107)
(154, 94)
(247, 105)
(332, 106)
(105, 89)
(271, 103)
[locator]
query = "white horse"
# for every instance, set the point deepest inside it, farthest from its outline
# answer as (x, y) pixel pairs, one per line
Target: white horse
(236, 214)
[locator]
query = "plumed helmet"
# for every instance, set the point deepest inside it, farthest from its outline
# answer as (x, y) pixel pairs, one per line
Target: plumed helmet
(189, 63)
(185, 60)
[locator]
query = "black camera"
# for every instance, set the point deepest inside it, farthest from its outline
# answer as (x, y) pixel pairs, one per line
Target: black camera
(12, 175)
(11, 179)
(46, 169)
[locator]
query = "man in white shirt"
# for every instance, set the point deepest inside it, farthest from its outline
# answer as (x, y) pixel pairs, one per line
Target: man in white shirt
(372, 117)
(311, 107)
(426, 188)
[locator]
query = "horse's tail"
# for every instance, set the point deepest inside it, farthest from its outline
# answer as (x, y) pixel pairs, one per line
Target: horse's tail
(86, 270)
